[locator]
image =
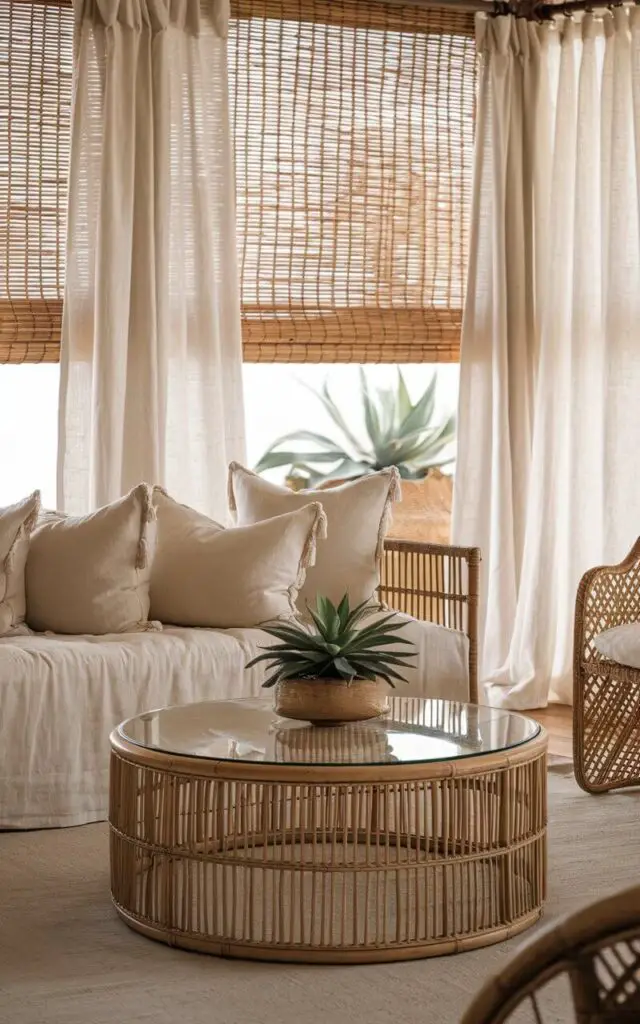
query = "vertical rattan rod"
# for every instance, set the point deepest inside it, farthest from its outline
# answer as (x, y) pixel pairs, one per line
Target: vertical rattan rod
(473, 562)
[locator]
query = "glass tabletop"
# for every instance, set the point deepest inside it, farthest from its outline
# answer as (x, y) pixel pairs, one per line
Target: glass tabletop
(414, 730)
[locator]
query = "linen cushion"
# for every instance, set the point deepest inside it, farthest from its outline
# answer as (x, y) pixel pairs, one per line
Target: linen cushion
(621, 644)
(206, 575)
(90, 574)
(16, 524)
(357, 512)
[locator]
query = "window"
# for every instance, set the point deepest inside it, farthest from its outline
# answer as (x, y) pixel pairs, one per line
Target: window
(28, 431)
(353, 124)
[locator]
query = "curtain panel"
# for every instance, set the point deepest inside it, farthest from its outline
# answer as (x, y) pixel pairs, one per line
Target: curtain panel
(548, 412)
(151, 351)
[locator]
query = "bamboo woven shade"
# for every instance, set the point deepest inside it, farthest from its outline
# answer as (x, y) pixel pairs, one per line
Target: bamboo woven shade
(36, 53)
(353, 127)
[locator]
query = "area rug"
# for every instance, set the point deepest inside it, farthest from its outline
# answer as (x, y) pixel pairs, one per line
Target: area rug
(558, 764)
(65, 958)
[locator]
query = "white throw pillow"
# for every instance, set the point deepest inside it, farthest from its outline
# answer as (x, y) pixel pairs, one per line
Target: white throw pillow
(16, 524)
(91, 574)
(358, 515)
(621, 644)
(206, 575)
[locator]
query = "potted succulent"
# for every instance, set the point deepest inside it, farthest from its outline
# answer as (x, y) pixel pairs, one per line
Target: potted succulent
(337, 667)
(399, 433)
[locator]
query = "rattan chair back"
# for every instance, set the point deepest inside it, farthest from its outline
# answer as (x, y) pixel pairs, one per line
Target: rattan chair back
(584, 969)
(606, 695)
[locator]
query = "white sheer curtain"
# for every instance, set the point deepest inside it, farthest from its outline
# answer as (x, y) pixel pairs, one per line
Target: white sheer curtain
(151, 385)
(546, 478)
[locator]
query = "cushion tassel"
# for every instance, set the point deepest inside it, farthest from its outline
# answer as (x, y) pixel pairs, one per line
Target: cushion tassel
(25, 530)
(147, 516)
(317, 532)
(231, 498)
(393, 494)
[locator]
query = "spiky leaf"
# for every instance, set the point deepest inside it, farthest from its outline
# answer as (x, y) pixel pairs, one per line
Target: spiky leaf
(403, 399)
(332, 646)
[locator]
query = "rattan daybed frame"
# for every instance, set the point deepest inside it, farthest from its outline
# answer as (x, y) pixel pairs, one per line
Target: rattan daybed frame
(438, 584)
(606, 695)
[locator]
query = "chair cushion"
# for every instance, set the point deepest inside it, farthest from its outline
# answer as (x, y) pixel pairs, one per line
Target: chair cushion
(621, 644)
(90, 574)
(357, 512)
(16, 524)
(206, 575)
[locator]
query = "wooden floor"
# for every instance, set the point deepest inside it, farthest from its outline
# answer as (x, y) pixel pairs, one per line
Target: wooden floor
(557, 720)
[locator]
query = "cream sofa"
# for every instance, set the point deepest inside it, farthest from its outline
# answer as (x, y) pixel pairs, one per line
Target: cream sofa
(62, 695)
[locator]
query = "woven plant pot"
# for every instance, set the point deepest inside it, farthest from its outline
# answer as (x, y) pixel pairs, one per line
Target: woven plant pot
(331, 701)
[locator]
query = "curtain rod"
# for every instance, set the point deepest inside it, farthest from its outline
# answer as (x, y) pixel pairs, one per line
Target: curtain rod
(464, 6)
(547, 10)
(535, 10)
(532, 10)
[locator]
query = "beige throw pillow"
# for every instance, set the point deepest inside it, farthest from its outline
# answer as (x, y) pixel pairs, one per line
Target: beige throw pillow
(16, 524)
(206, 575)
(357, 512)
(91, 574)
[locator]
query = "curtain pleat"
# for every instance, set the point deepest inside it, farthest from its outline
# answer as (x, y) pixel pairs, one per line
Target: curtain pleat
(154, 15)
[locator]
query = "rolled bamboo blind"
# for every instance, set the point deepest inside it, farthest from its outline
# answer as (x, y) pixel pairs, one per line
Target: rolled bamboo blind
(36, 51)
(353, 124)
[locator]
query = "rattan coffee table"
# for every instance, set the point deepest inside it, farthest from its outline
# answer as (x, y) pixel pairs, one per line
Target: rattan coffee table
(238, 833)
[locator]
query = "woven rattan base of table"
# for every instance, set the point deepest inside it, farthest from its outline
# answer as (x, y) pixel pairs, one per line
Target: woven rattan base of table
(333, 864)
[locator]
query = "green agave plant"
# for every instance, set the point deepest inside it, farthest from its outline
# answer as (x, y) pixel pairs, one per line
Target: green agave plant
(399, 433)
(336, 649)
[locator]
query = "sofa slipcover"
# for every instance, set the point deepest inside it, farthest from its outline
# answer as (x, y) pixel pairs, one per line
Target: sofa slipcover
(60, 697)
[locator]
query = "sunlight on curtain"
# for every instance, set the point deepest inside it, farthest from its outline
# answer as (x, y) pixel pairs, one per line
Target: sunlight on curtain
(549, 414)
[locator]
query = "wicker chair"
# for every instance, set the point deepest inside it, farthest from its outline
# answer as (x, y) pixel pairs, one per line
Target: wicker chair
(584, 969)
(606, 696)
(438, 584)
